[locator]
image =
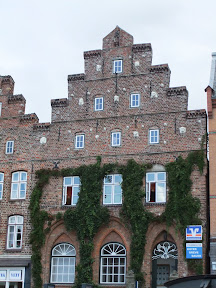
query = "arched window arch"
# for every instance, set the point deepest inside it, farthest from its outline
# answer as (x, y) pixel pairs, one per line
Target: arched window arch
(113, 264)
(63, 263)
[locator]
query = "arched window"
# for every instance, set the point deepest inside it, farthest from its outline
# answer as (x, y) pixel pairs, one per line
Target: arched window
(63, 263)
(15, 232)
(113, 264)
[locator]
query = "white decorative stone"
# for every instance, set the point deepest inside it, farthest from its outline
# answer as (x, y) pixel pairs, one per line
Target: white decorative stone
(146, 86)
(104, 128)
(165, 124)
(72, 95)
(68, 148)
(98, 68)
(43, 140)
(96, 136)
(91, 129)
(136, 63)
(165, 142)
(143, 55)
(124, 89)
(199, 121)
(200, 139)
(108, 91)
(182, 130)
(129, 57)
(154, 94)
(69, 131)
(127, 127)
(116, 98)
(88, 93)
(135, 134)
(142, 126)
(162, 85)
(81, 101)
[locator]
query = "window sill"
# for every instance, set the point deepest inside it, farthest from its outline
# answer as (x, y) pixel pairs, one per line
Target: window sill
(112, 205)
(155, 203)
(13, 249)
(14, 200)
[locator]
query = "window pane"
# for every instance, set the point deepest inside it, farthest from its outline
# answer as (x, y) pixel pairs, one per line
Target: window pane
(68, 181)
(108, 179)
(23, 176)
(15, 176)
(22, 190)
(150, 177)
(76, 180)
(14, 194)
(161, 192)
(107, 194)
(1, 177)
(161, 176)
(118, 179)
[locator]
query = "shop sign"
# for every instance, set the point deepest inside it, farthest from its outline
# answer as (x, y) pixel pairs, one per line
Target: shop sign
(3, 274)
(194, 233)
(193, 250)
(15, 275)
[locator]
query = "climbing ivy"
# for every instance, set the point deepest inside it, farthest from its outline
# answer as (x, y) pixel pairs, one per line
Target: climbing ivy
(88, 215)
(134, 213)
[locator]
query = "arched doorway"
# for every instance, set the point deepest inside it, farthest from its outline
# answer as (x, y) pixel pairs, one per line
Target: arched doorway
(164, 263)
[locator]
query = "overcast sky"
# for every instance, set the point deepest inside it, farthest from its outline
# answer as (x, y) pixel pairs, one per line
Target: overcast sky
(42, 42)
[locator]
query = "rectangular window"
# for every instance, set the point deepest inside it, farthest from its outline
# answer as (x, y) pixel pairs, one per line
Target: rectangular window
(9, 147)
(135, 100)
(153, 136)
(112, 192)
(1, 184)
(117, 66)
(18, 185)
(79, 141)
(71, 189)
(15, 230)
(99, 104)
(156, 187)
(116, 138)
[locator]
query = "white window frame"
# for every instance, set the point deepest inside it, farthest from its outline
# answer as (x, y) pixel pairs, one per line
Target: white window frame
(1, 184)
(18, 185)
(113, 187)
(154, 136)
(15, 232)
(80, 141)
(135, 102)
(118, 66)
(9, 147)
(72, 182)
(99, 104)
(113, 257)
(0, 108)
(116, 139)
(64, 257)
(159, 186)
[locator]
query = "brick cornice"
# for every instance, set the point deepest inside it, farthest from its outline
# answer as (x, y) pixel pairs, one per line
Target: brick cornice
(7, 79)
(76, 77)
(195, 113)
(92, 54)
(173, 91)
(29, 118)
(59, 102)
(159, 68)
(141, 47)
(41, 126)
(16, 98)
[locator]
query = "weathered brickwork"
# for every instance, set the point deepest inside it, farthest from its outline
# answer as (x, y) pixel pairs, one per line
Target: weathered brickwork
(44, 145)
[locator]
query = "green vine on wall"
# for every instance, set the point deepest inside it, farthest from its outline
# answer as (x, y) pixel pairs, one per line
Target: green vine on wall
(88, 215)
(133, 211)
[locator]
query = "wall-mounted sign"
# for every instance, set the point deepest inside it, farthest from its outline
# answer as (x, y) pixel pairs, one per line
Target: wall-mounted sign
(15, 275)
(3, 274)
(194, 232)
(193, 250)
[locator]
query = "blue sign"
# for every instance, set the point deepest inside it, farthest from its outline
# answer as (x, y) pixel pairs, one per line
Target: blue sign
(194, 232)
(193, 250)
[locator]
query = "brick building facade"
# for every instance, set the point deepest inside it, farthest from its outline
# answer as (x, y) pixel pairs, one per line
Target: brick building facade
(121, 108)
